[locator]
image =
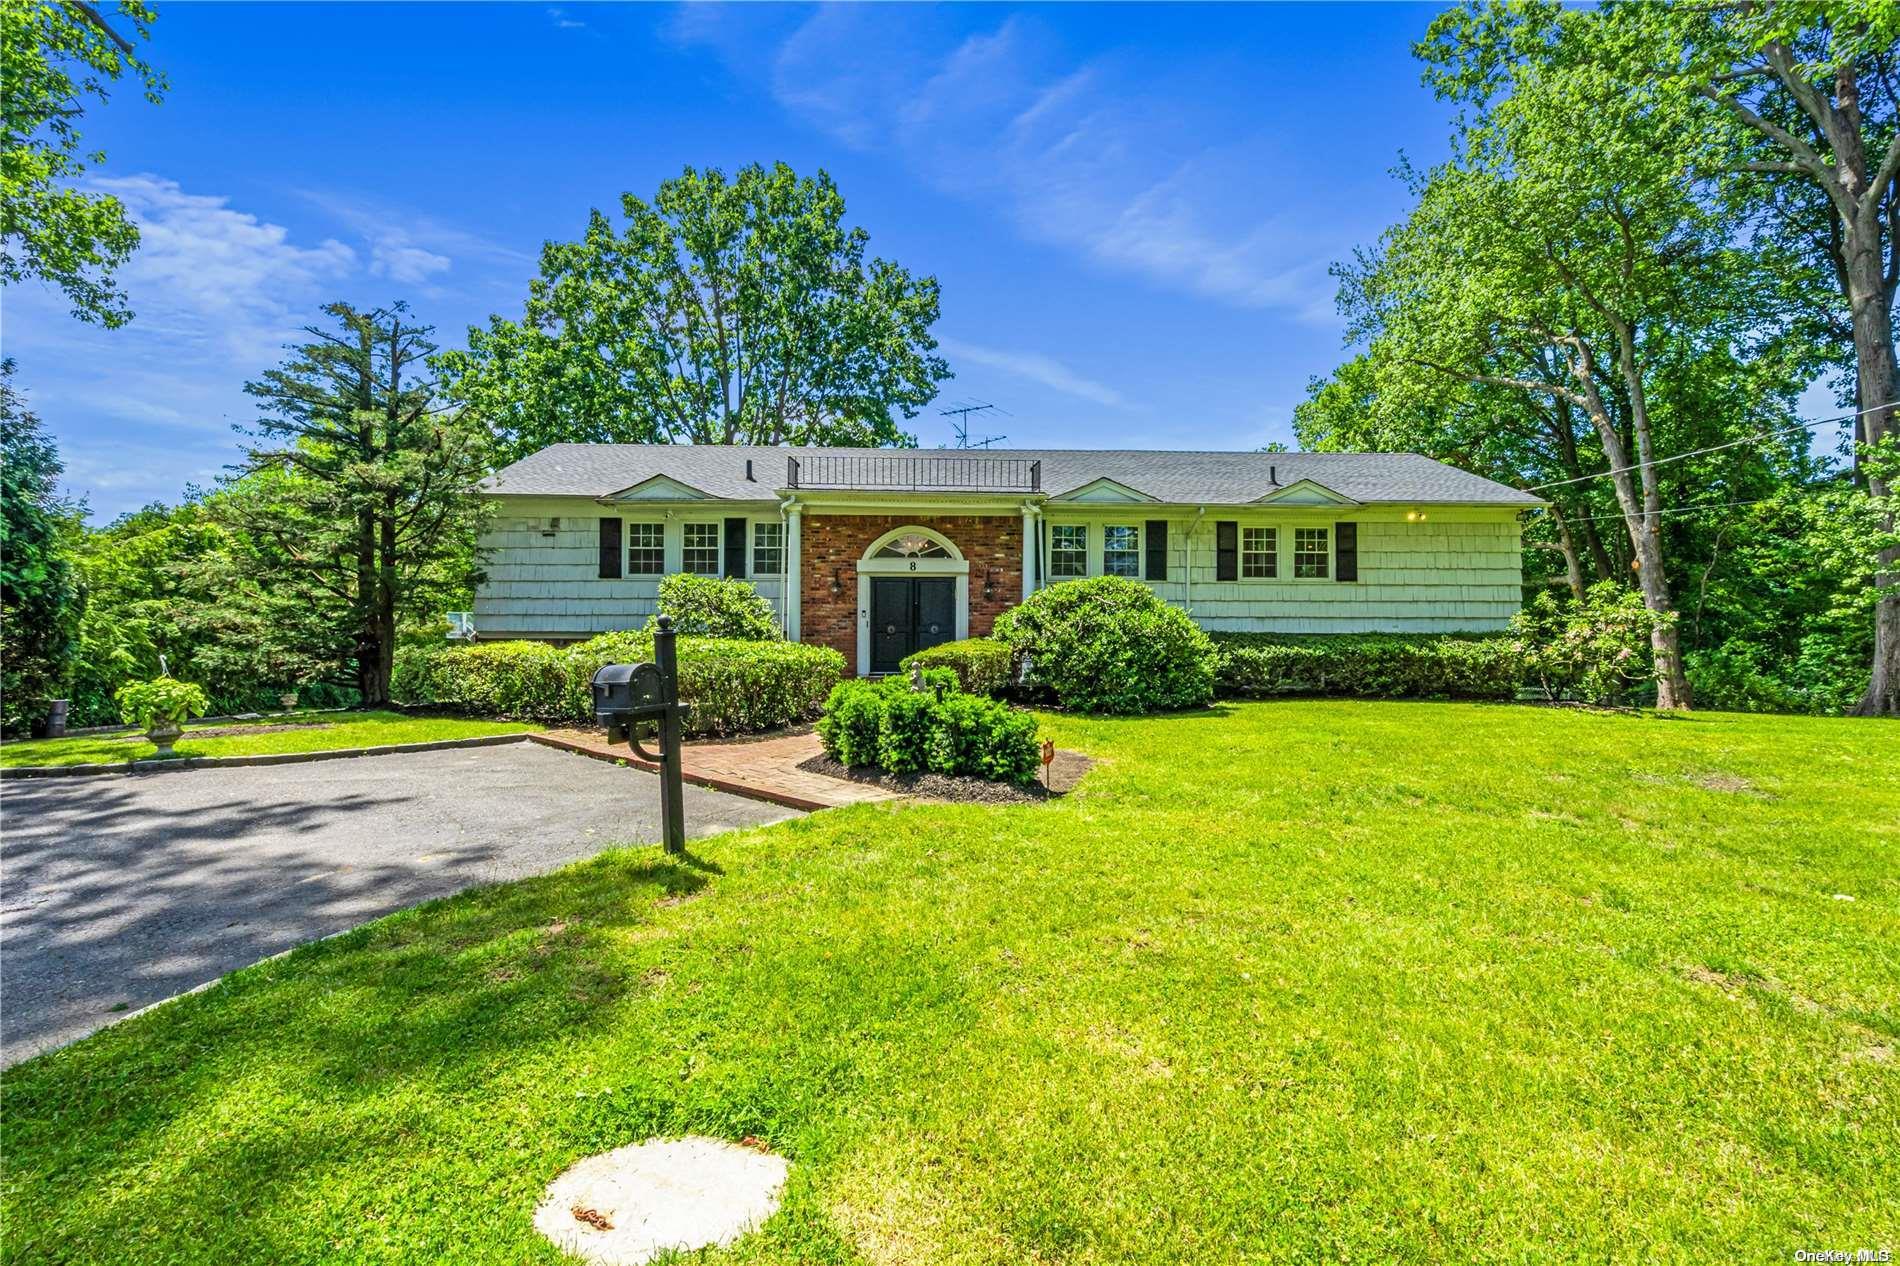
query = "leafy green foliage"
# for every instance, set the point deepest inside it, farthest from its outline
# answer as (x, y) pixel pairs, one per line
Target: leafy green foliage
(888, 725)
(52, 57)
(731, 310)
(728, 686)
(1108, 644)
(40, 600)
(1597, 650)
(162, 699)
(354, 514)
(1372, 665)
(983, 665)
(711, 606)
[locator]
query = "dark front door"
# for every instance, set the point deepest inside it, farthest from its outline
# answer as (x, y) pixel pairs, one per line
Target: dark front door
(909, 613)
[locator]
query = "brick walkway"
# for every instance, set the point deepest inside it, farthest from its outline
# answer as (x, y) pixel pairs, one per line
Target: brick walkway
(764, 769)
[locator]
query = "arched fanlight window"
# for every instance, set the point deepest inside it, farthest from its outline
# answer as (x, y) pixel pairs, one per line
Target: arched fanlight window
(914, 545)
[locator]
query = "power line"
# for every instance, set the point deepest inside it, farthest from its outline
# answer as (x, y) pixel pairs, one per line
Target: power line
(1716, 448)
(1716, 505)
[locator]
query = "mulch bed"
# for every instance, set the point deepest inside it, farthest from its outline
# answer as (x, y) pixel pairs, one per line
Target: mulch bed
(231, 731)
(1064, 773)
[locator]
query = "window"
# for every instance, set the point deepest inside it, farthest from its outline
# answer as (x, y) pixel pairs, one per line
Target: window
(1311, 558)
(915, 545)
(768, 549)
(699, 550)
(1259, 553)
(646, 549)
(1121, 551)
(1068, 550)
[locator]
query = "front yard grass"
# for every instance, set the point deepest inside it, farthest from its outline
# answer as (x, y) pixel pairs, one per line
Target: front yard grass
(301, 732)
(1280, 981)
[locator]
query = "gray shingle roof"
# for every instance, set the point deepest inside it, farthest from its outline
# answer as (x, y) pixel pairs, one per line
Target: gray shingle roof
(1190, 478)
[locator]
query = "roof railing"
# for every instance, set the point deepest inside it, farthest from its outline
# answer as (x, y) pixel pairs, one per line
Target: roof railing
(892, 471)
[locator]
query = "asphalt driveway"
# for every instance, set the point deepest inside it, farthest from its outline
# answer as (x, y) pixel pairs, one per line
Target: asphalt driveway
(119, 891)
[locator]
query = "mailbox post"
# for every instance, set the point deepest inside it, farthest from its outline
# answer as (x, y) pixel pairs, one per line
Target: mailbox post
(625, 696)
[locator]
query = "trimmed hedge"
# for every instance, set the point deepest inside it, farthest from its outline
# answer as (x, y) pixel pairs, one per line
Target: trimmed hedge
(728, 686)
(1370, 665)
(940, 729)
(983, 665)
(1108, 644)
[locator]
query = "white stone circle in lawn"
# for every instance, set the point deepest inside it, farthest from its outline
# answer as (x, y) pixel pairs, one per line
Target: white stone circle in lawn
(627, 1206)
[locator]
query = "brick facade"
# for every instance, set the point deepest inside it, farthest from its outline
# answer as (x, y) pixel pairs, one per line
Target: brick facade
(832, 544)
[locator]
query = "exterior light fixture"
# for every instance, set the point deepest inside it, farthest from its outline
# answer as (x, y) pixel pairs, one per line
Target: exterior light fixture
(989, 584)
(837, 582)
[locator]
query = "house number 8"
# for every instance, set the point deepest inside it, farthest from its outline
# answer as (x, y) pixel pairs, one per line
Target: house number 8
(913, 564)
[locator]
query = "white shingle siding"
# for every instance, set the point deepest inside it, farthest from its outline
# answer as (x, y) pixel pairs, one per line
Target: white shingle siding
(542, 585)
(1460, 570)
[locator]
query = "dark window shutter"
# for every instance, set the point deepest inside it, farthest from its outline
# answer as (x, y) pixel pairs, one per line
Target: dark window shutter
(1345, 551)
(735, 548)
(1157, 549)
(1226, 550)
(610, 552)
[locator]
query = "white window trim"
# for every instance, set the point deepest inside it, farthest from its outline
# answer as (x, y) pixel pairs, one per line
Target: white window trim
(719, 547)
(1291, 569)
(1091, 556)
(752, 534)
(1141, 534)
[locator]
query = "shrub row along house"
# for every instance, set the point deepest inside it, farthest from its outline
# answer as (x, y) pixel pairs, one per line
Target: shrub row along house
(882, 552)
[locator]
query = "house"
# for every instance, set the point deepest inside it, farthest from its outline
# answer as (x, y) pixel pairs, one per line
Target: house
(879, 552)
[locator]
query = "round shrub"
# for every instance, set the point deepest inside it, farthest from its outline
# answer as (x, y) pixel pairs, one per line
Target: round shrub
(982, 664)
(1108, 644)
(706, 606)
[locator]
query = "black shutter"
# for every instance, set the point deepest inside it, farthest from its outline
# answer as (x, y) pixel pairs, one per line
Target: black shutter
(610, 553)
(1157, 549)
(735, 549)
(1226, 550)
(1345, 551)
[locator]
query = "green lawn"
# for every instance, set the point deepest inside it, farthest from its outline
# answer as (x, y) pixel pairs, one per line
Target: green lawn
(304, 732)
(1280, 982)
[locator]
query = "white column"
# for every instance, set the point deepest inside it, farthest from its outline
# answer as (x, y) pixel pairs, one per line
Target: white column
(1029, 551)
(794, 571)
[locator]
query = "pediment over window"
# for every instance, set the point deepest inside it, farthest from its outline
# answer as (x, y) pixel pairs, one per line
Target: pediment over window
(657, 488)
(1305, 492)
(1104, 490)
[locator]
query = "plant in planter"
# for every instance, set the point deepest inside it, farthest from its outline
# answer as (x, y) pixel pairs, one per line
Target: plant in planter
(160, 705)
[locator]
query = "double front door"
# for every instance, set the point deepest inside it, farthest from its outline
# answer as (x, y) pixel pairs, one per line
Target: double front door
(909, 613)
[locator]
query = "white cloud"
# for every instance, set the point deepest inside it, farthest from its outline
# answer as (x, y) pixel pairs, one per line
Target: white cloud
(560, 19)
(1037, 368)
(1093, 157)
(393, 257)
(211, 275)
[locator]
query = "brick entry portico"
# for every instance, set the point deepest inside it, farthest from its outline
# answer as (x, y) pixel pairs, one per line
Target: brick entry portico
(833, 544)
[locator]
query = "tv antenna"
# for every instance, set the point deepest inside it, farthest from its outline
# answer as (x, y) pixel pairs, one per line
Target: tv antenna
(961, 427)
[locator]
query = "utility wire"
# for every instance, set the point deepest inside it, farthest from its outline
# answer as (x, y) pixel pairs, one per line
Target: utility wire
(1716, 448)
(1714, 505)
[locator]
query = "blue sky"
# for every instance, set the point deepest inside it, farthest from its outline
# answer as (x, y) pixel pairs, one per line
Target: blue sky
(1131, 209)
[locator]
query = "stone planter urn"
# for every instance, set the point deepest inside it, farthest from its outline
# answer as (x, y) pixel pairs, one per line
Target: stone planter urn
(162, 734)
(288, 699)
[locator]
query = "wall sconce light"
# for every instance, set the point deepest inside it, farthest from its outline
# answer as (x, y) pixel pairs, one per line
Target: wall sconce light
(989, 584)
(1414, 516)
(837, 582)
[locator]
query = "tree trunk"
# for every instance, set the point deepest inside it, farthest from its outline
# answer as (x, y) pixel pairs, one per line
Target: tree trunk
(1877, 382)
(1573, 566)
(1641, 511)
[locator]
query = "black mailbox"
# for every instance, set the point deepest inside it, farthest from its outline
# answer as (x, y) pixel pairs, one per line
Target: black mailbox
(625, 693)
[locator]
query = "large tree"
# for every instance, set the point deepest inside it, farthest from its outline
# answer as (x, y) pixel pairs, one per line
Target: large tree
(352, 514)
(737, 310)
(53, 55)
(40, 602)
(1814, 89)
